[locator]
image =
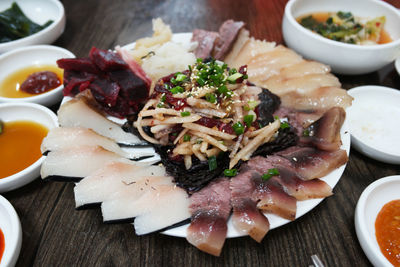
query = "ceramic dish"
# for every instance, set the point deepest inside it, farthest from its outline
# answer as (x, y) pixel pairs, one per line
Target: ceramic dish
(397, 65)
(11, 228)
(32, 112)
(33, 55)
(370, 203)
(39, 11)
(302, 206)
(373, 122)
(343, 58)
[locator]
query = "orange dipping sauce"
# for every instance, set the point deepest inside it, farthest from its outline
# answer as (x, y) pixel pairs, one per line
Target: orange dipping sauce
(20, 145)
(387, 231)
(2, 244)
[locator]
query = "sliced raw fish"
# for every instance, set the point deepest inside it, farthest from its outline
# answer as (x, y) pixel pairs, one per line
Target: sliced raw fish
(246, 218)
(210, 208)
(293, 184)
(73, 137)
(309, 162)
(114, 178)
(304, 67)
(322, 98)
(77, 113)
(303, 85)
(325, 132)
(74, 164)
(129, 206)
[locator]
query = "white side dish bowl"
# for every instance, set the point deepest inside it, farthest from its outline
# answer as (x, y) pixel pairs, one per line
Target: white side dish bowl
(397, 65)
(371, 201)
(31, 112)
(23, 57)
(11, 228)
(39, 11)
(374, 122)
(343, 58)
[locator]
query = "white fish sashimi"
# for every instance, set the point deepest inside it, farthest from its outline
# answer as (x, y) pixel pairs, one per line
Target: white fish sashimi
(74, 164)
(77, 113)
(117, 178)
(73, 137)
(130, 206)
(304, 67)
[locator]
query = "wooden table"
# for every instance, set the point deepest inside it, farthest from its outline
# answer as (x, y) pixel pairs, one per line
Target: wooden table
(55, 234)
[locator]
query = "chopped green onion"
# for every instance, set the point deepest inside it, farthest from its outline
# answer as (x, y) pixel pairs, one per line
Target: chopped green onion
(276, 117)
(238, 128)
(177, 89)
(248, 119)
(185, 113)
(212, 163)
(211, 98)
(306, 132)
(200, 81)
(174, 134)
(199, 60)
(180, 77)
(234, 77)
(230, 172)
(174, 81)
(186, 138)
(163, 98)
(222, 89)
(251, 105)
(284, 125)
(160, 105)
(271, 172)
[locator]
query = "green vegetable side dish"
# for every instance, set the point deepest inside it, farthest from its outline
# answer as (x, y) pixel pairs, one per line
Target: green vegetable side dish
(344, 27)
(14, 24)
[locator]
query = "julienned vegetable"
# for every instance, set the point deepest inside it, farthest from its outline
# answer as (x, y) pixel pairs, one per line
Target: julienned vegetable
(344, 27)
(14, 24)
(271, 172)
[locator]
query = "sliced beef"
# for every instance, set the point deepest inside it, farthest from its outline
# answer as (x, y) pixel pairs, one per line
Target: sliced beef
(205, 40)
(210, 208)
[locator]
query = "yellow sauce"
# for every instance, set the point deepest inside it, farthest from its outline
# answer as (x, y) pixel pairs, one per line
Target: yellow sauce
(20, 145)
(9, 87)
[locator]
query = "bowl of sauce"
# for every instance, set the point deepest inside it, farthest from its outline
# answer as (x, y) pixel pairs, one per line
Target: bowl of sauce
(10, 234)
(377, 221)
(350, 54)
(30, 74)
(22, 129)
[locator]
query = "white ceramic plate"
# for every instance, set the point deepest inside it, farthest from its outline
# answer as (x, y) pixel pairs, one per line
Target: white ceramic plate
(374, 122)
(23, 57)
(11, 228)
(371, 201)
(397, 65)
(39, 11)
(302, 206)
(32, 112)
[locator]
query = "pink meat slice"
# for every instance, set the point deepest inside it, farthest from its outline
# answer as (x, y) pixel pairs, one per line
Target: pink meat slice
(228, 33)
(311, 163)
(205, 40)
(325, 132)
(210, 208)
(293, 184)
(246, 218)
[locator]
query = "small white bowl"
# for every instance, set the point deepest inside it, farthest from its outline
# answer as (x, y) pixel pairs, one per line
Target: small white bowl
(371, 201)
(397, 65)
(373, 120)
(39, 11)
(343, 58)
(23, 57)
(11, 228)
(32, 112)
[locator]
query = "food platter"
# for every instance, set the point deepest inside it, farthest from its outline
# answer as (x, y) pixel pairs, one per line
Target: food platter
(275, 221)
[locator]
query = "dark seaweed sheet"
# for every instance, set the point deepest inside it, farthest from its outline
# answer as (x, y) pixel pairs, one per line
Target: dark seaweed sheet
(14, 24)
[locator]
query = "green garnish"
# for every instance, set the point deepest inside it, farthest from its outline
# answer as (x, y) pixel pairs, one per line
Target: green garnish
(251, 105)
(238, 128)
(248, 119)
(271, 172)
(306, 132)
(185, 113)
(232, 78)
(180, 77)
(176, 90)
(230, 172)
(186, 138)
(211, 98)
(174, 134)
(284, 125)
(212, 163)
(160, 105)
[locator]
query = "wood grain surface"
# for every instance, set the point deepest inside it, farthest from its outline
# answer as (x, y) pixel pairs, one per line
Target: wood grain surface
(55, 234)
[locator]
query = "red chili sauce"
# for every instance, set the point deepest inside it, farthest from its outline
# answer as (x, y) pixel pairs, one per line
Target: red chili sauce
(40, 82)
(2, 244)
(387, 231)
